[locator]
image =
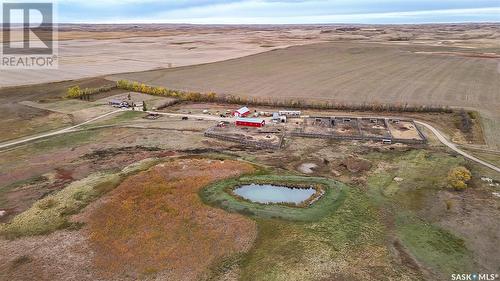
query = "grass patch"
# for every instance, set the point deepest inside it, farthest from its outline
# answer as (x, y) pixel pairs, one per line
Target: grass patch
(423, 174)
(224, 266)
(117, 119)
(218, 195)
(64, 140)
(52, 212)
(287, 250)
(434, 246)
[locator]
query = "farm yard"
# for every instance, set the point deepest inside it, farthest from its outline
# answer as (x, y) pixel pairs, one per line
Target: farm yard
(350, 73)
(356, 128)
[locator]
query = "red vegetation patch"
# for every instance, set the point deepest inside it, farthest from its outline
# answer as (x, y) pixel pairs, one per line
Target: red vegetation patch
(64, 175)
(356, 165)
(155, 223)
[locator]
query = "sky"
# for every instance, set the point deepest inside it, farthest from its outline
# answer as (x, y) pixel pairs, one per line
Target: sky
(277, 11)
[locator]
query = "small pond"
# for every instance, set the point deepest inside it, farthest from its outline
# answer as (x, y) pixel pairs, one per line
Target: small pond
(266, 193)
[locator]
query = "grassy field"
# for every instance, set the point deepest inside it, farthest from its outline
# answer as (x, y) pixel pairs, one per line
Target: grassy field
(357, 229)
(18, 120)
(117, 119)
(346, 244)
(154, 224)
(407, 200)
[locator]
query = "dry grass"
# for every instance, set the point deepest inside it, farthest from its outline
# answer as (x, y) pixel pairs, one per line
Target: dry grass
(155, 223)
(52, 212)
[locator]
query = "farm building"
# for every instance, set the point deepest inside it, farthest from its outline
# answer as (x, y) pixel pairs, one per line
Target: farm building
(250, 122)
(290, 113)
(242, 112)
(279, 118)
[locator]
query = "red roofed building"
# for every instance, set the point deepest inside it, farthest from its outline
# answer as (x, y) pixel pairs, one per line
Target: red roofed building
(242, 112)
(250, 122)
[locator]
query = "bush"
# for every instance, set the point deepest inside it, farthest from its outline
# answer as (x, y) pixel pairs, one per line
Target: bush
(459, 177)
(74, 92)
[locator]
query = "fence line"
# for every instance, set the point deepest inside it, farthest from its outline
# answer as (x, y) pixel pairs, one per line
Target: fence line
(209, 133)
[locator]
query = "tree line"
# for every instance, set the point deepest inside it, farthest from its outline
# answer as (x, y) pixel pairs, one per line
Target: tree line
(76, 92)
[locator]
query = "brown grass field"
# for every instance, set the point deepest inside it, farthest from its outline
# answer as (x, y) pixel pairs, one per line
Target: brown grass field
(152, 226)
(155, 223)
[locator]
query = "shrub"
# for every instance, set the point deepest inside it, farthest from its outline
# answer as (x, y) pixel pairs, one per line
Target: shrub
(459, 177)
(74, 92)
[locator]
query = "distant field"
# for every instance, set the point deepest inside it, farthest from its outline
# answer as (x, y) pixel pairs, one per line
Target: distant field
(348, 73)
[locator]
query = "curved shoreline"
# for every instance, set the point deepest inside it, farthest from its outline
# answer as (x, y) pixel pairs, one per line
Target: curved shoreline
(217, 195)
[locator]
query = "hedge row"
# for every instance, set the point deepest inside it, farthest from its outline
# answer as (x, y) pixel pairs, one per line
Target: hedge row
(77, 92)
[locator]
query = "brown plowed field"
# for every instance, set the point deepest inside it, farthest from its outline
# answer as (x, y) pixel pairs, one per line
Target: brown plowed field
(349, 73)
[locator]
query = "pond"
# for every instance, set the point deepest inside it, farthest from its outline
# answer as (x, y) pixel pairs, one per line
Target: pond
(267, 193)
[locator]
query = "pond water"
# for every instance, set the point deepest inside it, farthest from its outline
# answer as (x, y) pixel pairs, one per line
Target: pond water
(267, 193)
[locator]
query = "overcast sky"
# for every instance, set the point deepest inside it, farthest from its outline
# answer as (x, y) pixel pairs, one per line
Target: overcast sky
(277, 11)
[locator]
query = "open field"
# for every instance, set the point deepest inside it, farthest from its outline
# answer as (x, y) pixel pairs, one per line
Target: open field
(344, 72)
(20, 118)
(84, 53)
(352, 73)
(94, 50)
